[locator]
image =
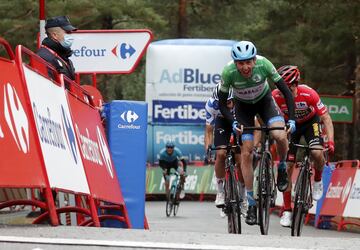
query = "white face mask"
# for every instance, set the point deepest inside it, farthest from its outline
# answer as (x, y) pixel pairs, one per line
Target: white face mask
(68, 41)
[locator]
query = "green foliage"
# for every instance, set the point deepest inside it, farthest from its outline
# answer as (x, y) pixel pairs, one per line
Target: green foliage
(321, 37)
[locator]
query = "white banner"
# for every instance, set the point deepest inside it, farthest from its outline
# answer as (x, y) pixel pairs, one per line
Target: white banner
(353, 202)
(184, 69)
(113, 51)
(56, 134)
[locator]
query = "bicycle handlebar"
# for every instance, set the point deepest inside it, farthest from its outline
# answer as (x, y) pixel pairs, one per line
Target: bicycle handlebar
(308, 147)
(224, 147)
(264, 128)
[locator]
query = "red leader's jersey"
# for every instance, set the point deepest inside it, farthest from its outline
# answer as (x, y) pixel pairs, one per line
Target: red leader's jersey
(307, 104)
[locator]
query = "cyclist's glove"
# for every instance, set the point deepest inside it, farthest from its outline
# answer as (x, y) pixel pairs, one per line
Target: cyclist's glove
(207, 159)
(235, 127)
(291, 125)
(331, 146)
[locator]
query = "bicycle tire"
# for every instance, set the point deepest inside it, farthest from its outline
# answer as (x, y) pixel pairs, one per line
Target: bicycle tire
(301, 197)
(232, 201)
(177, 200)
(170, 201)
(264, 193)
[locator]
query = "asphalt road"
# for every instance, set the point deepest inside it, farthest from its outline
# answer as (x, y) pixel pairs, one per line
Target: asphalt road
(204, 217)
(197, 226)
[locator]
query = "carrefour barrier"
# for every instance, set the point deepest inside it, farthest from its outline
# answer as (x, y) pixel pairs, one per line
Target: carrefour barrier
(22, 164)
(45, 152)
(343, 194)
(94, 151)
(56, 133)
(17, 137)
(126, 131)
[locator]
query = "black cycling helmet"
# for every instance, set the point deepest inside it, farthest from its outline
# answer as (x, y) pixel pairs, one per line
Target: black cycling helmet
(170, 144)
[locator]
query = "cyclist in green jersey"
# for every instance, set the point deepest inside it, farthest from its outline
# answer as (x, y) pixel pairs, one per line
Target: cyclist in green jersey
(247, 74)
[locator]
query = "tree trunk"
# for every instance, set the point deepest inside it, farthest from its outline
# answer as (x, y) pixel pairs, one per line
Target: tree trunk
(182, 23)
(356, 146)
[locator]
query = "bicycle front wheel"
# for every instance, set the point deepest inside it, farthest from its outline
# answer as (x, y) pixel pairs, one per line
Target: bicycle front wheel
(265, 192)
(232, 204)
(302, 192)
(177, 200)
(170, 201)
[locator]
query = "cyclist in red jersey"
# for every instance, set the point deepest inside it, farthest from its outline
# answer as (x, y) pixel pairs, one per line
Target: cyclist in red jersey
(309, 112)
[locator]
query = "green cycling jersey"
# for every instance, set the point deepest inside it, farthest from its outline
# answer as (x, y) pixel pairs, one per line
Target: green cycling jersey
(249, 90)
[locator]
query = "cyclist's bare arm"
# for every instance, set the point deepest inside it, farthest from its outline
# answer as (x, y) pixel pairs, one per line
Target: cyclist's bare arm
(329, 127)
(208, 140)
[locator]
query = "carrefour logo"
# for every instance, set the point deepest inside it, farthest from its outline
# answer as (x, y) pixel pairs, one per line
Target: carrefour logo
(69, 134)
(129, 117)
(123, 50)
(189, 75)
(178, 112)
(16, 118)
(50, 131)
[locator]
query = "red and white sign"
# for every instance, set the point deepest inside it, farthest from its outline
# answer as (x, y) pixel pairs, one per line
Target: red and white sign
(338, 191)
(353, 203)
(56, 133)
(109, 51)
(20, 162)
(95, 153)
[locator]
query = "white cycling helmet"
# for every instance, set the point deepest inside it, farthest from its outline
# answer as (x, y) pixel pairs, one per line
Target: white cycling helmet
(243, 50)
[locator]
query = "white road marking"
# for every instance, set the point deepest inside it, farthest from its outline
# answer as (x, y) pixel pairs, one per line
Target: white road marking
(137, 244)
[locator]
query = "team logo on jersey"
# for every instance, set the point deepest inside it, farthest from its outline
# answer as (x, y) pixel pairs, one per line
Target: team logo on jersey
(320, 105)
(301, 105)
(256, 78)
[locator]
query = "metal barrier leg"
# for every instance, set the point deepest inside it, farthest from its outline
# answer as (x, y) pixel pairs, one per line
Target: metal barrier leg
(93, 211)
(51, 206)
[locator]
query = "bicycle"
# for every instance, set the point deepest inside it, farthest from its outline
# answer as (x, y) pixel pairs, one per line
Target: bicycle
(173, 199)
(303, 191)
(232, 205)
(264, 181)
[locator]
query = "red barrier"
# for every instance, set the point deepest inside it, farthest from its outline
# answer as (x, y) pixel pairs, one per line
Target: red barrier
(22, 165)
(338, 191)
(45, 142)
(94, 149)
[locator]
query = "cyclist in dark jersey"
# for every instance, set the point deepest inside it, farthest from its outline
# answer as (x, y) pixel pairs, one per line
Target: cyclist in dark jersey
(248, 75)
(171, 157)
(309, 111)
(218, 131)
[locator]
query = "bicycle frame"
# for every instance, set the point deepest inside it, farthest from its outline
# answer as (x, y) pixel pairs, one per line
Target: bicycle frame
(265, 194)
(303, 191)
(173, 200)
(232, 198)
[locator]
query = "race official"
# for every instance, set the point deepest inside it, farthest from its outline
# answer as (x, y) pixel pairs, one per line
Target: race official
(56, 47)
